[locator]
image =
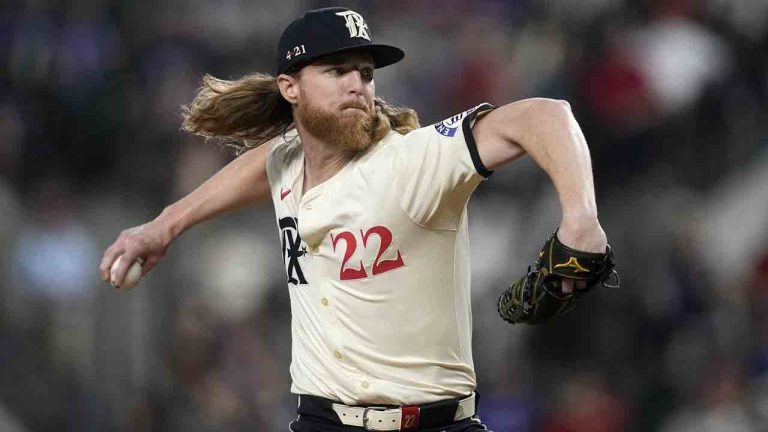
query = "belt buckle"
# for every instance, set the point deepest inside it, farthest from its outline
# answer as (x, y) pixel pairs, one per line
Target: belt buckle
(365, 415)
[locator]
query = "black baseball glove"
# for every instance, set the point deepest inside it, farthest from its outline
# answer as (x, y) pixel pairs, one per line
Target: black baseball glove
(538, 296)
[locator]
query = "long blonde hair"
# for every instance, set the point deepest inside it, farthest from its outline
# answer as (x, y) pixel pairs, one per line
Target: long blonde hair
(250, 111)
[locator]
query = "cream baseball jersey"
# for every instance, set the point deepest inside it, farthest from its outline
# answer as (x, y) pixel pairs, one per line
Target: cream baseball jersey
(377, 262)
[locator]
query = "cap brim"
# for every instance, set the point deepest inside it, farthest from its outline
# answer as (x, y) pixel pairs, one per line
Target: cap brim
(383, 55)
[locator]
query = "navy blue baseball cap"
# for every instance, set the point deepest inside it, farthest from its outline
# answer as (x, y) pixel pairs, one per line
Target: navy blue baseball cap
(328, 31)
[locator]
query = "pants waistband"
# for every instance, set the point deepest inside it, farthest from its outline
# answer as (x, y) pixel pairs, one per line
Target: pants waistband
(388, 418)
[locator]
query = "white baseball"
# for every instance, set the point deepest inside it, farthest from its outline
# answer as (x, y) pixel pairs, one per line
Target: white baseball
(131, 277)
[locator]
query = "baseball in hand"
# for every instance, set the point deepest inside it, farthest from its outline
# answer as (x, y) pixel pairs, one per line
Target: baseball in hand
(131, 277)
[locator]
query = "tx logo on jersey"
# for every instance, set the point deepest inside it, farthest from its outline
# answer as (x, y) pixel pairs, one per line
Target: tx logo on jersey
(355, 24)
(292, 250)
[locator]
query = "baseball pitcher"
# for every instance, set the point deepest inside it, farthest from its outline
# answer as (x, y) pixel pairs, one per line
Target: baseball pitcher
(371, 211)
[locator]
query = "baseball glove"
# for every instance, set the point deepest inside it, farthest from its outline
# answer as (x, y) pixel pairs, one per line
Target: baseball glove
(537, 297)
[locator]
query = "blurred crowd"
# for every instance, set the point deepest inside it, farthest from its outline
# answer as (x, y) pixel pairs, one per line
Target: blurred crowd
(672, 96)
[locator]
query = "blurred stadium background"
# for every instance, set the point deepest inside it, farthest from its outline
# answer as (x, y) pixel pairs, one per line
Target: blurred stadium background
(671, 95)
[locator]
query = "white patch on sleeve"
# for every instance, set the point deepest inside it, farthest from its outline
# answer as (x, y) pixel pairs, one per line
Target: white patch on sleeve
(449, 126)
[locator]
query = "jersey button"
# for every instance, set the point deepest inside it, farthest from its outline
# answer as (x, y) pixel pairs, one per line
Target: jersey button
(338, 355)
(365, 384)
(324, 301)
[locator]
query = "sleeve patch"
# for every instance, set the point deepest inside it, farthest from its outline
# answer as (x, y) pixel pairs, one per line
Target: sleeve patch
(449, 126)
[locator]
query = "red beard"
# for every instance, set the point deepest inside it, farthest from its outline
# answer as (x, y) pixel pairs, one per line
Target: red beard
(350, 130)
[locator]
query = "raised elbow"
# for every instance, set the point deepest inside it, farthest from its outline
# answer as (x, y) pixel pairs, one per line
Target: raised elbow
(549, 107)
(522, 120)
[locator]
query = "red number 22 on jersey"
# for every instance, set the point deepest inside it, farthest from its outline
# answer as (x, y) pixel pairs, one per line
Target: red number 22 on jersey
(379, 265)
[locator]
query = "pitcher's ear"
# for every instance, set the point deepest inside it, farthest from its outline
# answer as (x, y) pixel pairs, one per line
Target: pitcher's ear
(289, 87)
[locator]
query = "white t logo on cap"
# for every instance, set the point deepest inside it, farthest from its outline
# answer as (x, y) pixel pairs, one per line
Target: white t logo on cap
(355, 23)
